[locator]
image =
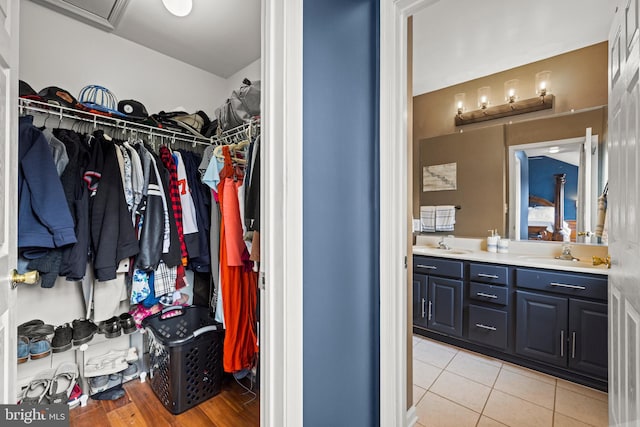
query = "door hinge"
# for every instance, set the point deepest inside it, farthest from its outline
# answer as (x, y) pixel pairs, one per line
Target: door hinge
(405, 262)
(263, 281)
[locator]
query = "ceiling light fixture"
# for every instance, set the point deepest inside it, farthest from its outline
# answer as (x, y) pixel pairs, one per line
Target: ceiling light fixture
(178, 7)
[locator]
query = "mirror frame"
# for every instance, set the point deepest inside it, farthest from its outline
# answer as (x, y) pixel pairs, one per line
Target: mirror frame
(513, 219)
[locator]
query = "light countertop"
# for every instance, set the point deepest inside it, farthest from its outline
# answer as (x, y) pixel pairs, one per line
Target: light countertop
(521, 253)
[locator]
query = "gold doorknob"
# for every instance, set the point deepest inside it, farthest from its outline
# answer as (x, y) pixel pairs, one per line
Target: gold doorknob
(30, 278)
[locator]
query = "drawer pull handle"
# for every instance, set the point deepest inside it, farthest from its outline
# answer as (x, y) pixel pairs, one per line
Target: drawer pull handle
(482, 294)
(429, 318)
(430, 267)
(423, 310)
(562, 343)
(564, 285)
(573, 345)
(489, 328)
(488, 276)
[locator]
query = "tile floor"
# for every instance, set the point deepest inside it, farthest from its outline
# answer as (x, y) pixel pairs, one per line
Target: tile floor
(453, 387)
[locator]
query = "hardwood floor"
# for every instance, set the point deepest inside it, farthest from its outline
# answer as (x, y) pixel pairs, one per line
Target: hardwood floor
(141, 407)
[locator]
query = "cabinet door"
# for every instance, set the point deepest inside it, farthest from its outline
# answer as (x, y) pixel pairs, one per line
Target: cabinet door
(588, 337)
(420, 300)
(541, 328)
(444, 309)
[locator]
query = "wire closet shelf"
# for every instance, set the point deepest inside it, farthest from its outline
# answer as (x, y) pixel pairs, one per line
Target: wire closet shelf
(223, 138)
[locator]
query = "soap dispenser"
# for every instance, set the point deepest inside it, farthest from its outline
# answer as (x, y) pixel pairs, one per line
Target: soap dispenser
(492, 241)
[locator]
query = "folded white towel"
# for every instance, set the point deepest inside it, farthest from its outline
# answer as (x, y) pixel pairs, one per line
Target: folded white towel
(427, 219)
(445, 217)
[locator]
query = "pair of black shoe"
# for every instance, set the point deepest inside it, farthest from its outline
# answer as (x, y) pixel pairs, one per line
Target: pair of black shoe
(114, 326)
(79, 332)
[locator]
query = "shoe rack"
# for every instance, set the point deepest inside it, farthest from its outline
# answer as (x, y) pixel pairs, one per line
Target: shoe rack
(62, 304)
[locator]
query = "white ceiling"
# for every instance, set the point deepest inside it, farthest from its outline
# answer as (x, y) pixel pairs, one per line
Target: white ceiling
(455, 41)
(219, 36)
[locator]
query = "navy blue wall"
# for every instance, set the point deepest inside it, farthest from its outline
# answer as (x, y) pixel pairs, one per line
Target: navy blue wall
(542, 183)
(340, 213)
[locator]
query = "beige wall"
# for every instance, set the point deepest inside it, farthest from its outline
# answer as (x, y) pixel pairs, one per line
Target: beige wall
(480, 170)
(578, 81)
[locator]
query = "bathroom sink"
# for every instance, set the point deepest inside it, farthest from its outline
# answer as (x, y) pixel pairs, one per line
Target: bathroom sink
(439, 251)
(586, 262)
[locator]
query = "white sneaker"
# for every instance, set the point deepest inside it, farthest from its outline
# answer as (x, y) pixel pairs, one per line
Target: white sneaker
(110, 363)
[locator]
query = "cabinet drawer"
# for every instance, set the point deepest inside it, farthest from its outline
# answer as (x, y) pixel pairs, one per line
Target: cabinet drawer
(437, 266)
(488, 326)
(583, 285)
(495, 274)
(488, 293)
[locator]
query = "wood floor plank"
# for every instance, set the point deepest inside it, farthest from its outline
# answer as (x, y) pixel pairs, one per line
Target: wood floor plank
(93, 417)
(141, 407)
(128, 415)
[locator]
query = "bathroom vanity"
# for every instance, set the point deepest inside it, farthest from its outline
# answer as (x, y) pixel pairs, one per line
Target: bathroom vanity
(529, 309)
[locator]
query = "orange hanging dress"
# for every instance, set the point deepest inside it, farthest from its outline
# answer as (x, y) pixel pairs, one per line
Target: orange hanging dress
(238, 281)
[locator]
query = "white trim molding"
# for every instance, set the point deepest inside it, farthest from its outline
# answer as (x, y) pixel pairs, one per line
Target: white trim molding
(281, 298)
(393, 211)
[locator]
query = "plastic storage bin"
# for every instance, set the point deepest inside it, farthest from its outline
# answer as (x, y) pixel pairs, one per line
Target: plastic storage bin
(185, 356)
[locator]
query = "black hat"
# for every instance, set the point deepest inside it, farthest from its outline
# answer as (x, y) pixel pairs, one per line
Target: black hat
(133, 109)
(26, 91)
(57, 96)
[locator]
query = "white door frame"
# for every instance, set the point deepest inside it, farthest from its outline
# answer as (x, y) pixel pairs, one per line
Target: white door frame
(281, 294)
(394, 215)
(9, 31)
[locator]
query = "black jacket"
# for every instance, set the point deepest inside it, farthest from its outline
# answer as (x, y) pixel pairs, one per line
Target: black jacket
(152, 214)
(75, 258)
(113, 236)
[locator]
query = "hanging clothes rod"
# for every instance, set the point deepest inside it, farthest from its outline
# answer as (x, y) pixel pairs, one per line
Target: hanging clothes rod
(28, 105)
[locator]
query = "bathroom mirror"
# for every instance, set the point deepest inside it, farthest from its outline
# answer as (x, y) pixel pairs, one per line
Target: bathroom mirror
(554, 188)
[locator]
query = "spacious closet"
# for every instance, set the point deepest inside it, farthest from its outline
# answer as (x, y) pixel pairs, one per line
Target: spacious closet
(181, 217)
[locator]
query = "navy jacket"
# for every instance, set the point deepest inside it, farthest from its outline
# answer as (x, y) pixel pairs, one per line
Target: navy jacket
(44, 220)
(202, 201)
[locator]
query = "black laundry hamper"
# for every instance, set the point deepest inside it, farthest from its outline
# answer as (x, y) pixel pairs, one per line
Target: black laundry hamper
(185, 356)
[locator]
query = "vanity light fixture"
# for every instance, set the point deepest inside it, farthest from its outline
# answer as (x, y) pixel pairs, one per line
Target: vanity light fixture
(484, 95)
(543, 83)
(458, 100)
(511, 91)
(513, 105)
(178, 8)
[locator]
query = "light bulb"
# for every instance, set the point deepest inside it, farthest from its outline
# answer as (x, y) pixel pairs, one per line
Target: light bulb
(178, 7)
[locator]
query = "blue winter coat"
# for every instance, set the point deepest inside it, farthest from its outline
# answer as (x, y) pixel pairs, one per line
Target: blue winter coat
(44, 220)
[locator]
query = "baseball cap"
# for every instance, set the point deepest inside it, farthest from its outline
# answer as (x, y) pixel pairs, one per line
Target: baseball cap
(58, 96)
(133, 109)
(26, 91)
(99, 98)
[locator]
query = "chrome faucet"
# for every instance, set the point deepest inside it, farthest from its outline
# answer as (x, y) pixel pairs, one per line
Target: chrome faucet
(566, 254)
(443, 245)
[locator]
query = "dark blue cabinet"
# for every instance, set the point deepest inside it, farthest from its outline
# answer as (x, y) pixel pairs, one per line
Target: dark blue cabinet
(549, 320)
(438, 295)
(563, 331)
(588, 337)
(420, 299)
(444, 306)
(541, 327)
